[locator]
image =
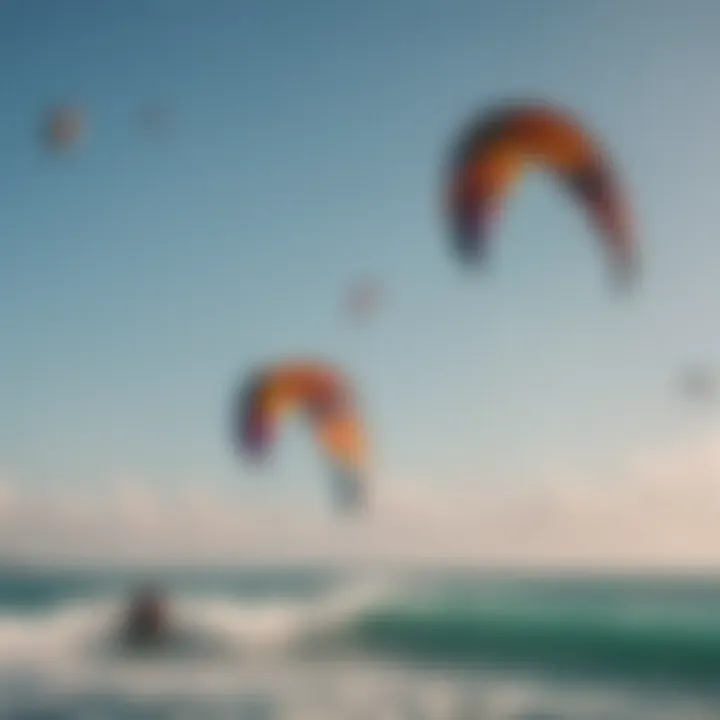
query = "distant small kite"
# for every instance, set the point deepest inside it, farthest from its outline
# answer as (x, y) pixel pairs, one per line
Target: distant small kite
(62, 128)
(700, 383)
(156, 120)
(364, 299)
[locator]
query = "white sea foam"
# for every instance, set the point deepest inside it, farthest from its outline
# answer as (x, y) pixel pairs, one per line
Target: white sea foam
(235, 659)
(216, 637)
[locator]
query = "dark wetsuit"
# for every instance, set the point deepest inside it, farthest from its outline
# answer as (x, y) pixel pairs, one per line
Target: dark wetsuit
(146, 620)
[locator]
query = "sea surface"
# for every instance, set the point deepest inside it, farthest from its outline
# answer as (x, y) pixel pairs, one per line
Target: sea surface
(307, 643)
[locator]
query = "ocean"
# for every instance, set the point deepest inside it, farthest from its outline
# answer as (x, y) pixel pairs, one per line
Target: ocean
(324, 643)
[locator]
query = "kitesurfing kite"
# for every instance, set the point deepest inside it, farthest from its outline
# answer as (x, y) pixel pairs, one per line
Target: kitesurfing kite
(491, 156)
(321, 394)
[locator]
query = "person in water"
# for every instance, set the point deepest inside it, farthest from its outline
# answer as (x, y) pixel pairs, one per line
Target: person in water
(146, 621)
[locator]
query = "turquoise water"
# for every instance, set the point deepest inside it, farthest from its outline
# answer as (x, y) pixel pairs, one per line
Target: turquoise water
(262, 643)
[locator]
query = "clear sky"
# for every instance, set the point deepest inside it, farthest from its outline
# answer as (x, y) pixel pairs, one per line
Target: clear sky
(139, 277)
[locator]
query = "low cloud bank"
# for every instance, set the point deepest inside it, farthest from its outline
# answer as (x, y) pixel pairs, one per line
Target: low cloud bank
(662, 508)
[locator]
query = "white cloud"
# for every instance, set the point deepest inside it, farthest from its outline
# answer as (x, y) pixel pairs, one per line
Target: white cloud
(663, 507)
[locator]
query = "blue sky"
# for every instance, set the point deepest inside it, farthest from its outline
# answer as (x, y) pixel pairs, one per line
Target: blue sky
(139, 277)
